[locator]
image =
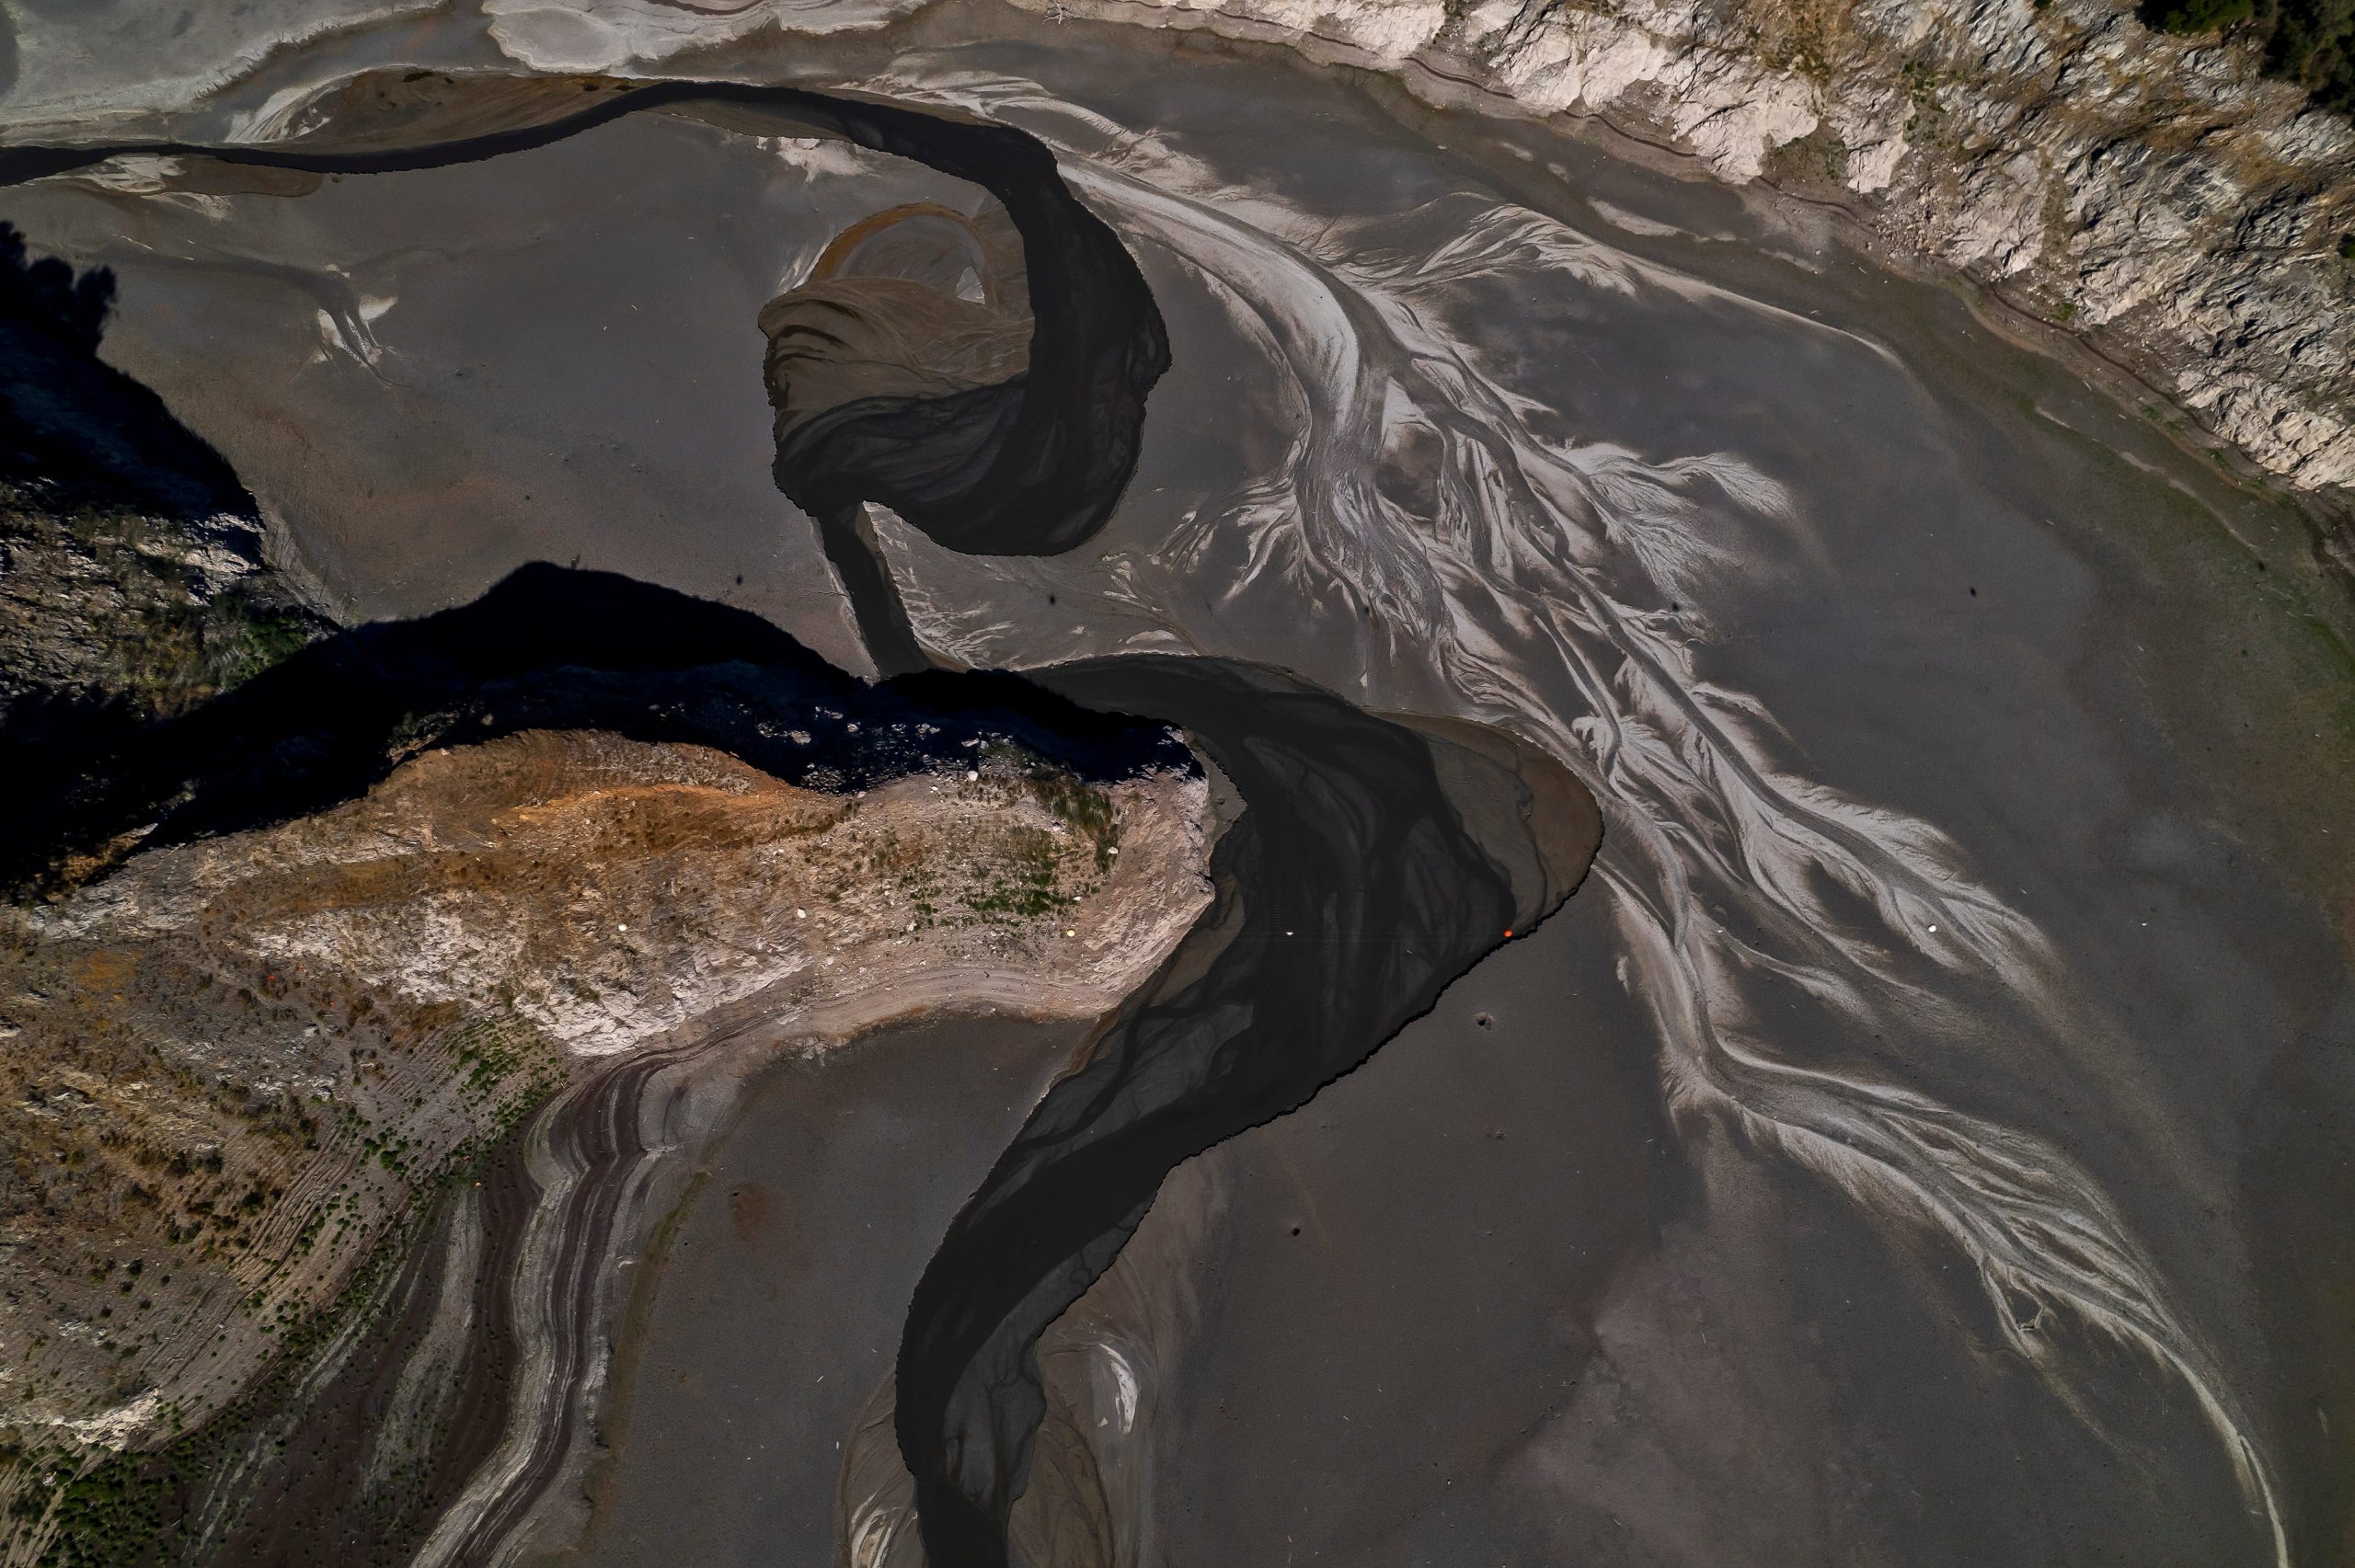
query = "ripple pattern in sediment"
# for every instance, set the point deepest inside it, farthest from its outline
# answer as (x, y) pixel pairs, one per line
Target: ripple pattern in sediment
(1556, 589)
(1559, 591)
(1354, 889)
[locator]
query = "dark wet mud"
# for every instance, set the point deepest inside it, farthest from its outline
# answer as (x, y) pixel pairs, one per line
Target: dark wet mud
(1355, 891)
(1352, 892)
(1947, 1177)
(549, 649)
(1410, 1271)
(795, 1254)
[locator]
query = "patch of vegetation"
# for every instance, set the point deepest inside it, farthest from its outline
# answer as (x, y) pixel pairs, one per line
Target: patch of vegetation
(495, 1052)
(2310, 42)
(112, 625)
(2196, 15)
(1818, 158)
(167, 647)
(1804, 36)
(134, 1510)
(1079, 805)
(1022, 876)
(1921, 81)
(1026, 887)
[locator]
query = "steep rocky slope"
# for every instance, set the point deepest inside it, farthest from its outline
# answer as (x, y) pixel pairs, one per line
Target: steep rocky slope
(133, 582)
(116, 612)
(232, 1067)
(2156, 195)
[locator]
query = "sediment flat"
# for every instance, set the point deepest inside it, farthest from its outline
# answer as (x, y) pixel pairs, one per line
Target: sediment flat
(1948, 1044)
(776, 1293)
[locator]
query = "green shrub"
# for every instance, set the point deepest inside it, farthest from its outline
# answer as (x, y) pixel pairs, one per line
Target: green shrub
(2196, 15)
(2310, 42)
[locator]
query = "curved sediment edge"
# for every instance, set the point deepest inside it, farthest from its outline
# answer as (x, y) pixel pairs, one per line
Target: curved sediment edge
(603, 1164)
(1302, 969)
(561, 649)
(1040, 477)
(547, 648)
(599, 1176)
(1723, 846)
(1371, 868)
(1499, 836)
(1033, 466)
(1434, 81)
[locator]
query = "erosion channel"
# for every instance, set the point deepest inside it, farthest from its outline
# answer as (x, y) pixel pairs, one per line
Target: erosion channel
(1373, 860)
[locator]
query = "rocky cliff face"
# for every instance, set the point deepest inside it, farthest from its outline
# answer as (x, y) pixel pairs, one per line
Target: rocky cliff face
(232, 1067)
(2152, 193)
(117, 612)
(133, 578)
(2157, 195)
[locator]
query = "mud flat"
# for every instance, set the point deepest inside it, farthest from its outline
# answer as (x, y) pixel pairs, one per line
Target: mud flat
(1981, 638)
(1974, 878)
(270, 1045)
(774, 1296)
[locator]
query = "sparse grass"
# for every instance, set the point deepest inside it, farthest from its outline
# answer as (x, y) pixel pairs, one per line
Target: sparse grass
(2196, 15)
(250, 1064)
(1818, 158)
(126, 1509)
(1921, 81)
(1800, 36)
(109, 609)
(2309, 42)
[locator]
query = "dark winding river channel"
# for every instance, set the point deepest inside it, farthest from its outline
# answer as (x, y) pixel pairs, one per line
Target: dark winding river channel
(1951, 971)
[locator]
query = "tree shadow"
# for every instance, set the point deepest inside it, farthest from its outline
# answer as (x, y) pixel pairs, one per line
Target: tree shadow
(75, 431)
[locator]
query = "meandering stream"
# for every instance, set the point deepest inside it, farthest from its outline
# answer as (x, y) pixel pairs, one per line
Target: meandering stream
(1938, 926)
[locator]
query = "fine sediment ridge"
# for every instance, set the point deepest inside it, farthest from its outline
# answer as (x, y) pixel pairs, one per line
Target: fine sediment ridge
(2154, 196)
(1850, 1002)
(378, 925)
(1039, 471)
(1003, 471)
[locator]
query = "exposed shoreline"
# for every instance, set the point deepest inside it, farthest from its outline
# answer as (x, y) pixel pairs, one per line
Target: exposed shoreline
(1898, 766)
(566, 1531)
(1481, 62)
(623, 1151)
(526, 1233)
